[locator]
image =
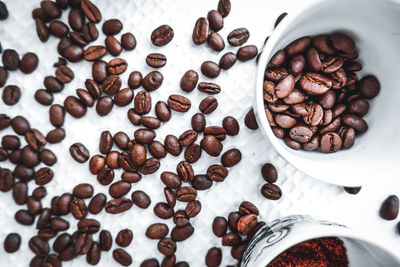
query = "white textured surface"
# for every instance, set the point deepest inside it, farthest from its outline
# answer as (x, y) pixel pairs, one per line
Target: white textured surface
(302, 194)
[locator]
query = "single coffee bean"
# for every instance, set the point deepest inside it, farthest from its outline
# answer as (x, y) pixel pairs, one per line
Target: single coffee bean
(342, 42)
(369, 86)
(117, 66)
(79, 152)
(189, 81)
(247, 52)
(163, 210)
(52, 84)
(211, 145)
(124, 97)
(169, 261)
(93, 88)
(172, 145)
(179, 103)
(93, 256)
(88, 226)
(231, 239)
(298, 46)
(75, 19)
(74, 107)
(213, 257)
(271, 191)
(352, 190)
(78, 208)
(187, 138)
(231, 126)
(144, 136)
(73, 53)
(121, 139)
(162, 35)
(86, 97)
(171, 180)
(105, 176)
(10, 59)
(119, 189)
(216, 20)
(104, 105)
(83, 191)
(224, 7)
(210, 69)
(126, 163)
(105, 240)
(227, 61)
(58, 29)
(247, 207)
(152, 81)
(156, 60)
(192, 153)
(141, 199)
(330, 142)
(201, 182)
(91, 11)
(217, 173)
(42, 30)
(106, 142)
(124, 238)
(29, 63)
(11, 95)
(166, 246)
(269, 173)
(179, 234)
(43, 176)
(57, 114)
(193, 208)
(50, 9)
(62, 242)
(29, 157)
(231, 157)
(250, 120)
(6, 180)
(355, 122)
(198, 122)
(170, 197)
(150, 122)
(99, 71)
(185, 171)
(12, 242)
(20, 193)
(10, 142)
(201, 31)
(359, 106)
(390, 208)
(157, 231)
(113, 46)
(180, 218)
(112, 26)
(55, 136)
(150, 263)
(111, 85)
(3, 76)
(142, 102)
(122, 257)
(186, 194)
(301, 134)
(39, 246)
(219, 226)
(209, 88)
(24, 217)
(128, 41)
(216, 42)
(34, 206)
(238, 37)
(97, 203)
(150, 166)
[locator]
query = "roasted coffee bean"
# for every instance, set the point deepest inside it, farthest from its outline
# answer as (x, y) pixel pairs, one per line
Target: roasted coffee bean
(215, 41)
(198, 122)
(238, 37)
(355, 122)
(217, 131)
(39, 246)
(352, 190)
(93, 88)
(192, 153)
(86, 97)
(52, 84)
(58, 29)
(46, 233)
(125, 162)
(150, 122)
(152, 81)
(124, 238)
(238, 250)
(342, 42)
(133, 117)
(55, 136)
(201, 182)
(112, 26)
(77, 38)
(122, 257)
(390, 208)
(209, 88)
(93, 256)
(180, 218)
(10, 59)
(201, 31)
(169, 261)
(369, 86)
(29, 63)
(57, 114)
(301, 134)
(193, 208)
(157, 149)
(187, 138)
(210, 69)
(34, 206)
(150, 263)
(79, 152)
(216, 20)
(23, 173)
(142, 102)
(220, 226)
(104, 105)
(105, 176)
(189, 80)
(170, 197)
(99, 71)
(186, 194)
(78, 208)
(121, 139)
(111, 85)
(6, 180)
(124, 97)
(138, 154)
(83, 191)
(5, 121)
(119, 189)
(97, 203)
(179, 234)
(68, 254)
(63, 44)
(247, 207)
(105, 240)
(227, 61)
(3, 76)
(224, 7)
(91, 11)
(50, 9)
(298, 46)
(217, 173)
(29, 157)
(315, 83)
(3, 12)
(271, 191)
(250, 120)
(24, 217)
(62, 204)
(10, 142)
(163, 210)
(150, 166)
(11, 95)
(141, 199)
(73, 53)
(279, 19)
(42, 30)
(358, 106)
(231, 157)
(269, 173)
(112, 160)
(62, 242)
(157, 231)
(128, 41)
(185, 171)
(3, 154)
(113, 46)
(88, 226)
(247, 52)
(211, 145)
(144, 136)
(231, 126)
(43, 176)
(179, 103)
(135, 79)
(171, 180)
(74, 107)
(106, 142)
(297, 64)
(231, 239)
(117, 66)
(156, 60)
(213, 257)
(166, 246)
(292, 144)
(75, 19)
(20, 193)
(172, 145)
(162, 35)
(12, 242)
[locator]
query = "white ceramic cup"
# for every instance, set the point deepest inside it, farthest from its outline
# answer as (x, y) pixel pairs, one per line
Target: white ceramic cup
(375, 26)
(274, 238)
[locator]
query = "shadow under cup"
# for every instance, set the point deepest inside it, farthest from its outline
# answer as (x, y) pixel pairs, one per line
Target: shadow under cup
(274, 238)
(374, 24)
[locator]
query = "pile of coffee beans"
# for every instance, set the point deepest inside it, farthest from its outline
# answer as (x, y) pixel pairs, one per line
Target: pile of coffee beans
(313, 98)
(235, 232)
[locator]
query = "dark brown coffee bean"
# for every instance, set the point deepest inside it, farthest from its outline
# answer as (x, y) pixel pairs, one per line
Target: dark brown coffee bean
(201, 182)
(342, 42)
(213, 257)
(83, 191)
(231, 239)
(68, 254)
(74, 107)
(39, 246)
(250, 120)
(128, 41)
(10, 142)
(358, 106)
(62, 242)
(201, 31)
(390, 208)
(185, 171)
(122, 257)
(189, 80)
(3, 76)
(93, 256)
(269, 173)
(57, 114)
(210, 69)
(12, 242)
(43, 176)
(227, 61)
(180, 218)
(315, 83)
(58, 29)
(59, 224)
(163, 210)
(192, 153)
(247, 52)
(193, 208)
(112, 160)
(112, 26)
(198, 122)
(119, 189)
(238, 36)
(10, 59)
(11, 95)
(29, 63)
(219, 226)
(271, 191)
(179, 103)
(86, 97)
(211, 145)
(369, 86)
(111, 85)
(93, 88)
(23, 173)
(124, 97)
(75, 19)
(141, 199)
(24, 217)
(355, 122)
(29, 157)
(105, 176)
(297, 64)
(172, 145)
(301, 134)
(231, 125)
(106, 142)
(91, 11)
(20, 193)
(247, 207)
(179, 234)
(52, 84)
(142, 102)
(144, 136)
(169, 261)
(88, 226)
(215, 41)
(78, 208)
(162, 35)
(105, 240)
(323, 44)
(166, 246)
(352, 190)
(125, 162)
(79, 152)
(217, 173)
(187, 138)
(3, 12)
(152, 81)
(150, 166)
(150, 122)
(97, 203)
(99, 71)
(216, 20)
(217, 131)
(55, 136)
(209, 88)
(330, 142)
(150, 263)
(78, 38)
(231, 157)
(171, 180)
(186, 194)
(224, 7)
(124, 238)
(113, 46)
(96, 162)
(104, 105)
(42, 30)
(298, 46)
(6, 180)
(157, 231)
(39, 193)
(156, 60)
(73, 53)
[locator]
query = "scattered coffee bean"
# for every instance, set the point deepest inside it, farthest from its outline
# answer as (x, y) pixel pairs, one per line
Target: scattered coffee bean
(179, 103)
(210, 69)
(122, 257)
(157, 231)
(209, 88)
(250, 120)
(113, 46)
(231, 157)
(220, 226)
(271, 191)
(156, 60)
(3, 11)
(128, 41)
(390, 208)
(216, 20)
(201, 31)
(213, 257)
(11, 95)
(124, 238)
(352, 190)
(29, 63)
(216, 42)
(269, 173)
(227, 61)
(162, 35)
(247, 52)
(238, 37)
(224, 7)
(12, 242)
(152, 81)
(112, 26)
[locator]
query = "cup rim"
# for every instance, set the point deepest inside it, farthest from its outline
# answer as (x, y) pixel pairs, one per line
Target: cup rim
(258, 105)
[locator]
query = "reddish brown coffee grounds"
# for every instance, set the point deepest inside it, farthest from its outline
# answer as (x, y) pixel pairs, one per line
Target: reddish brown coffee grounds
(321, 252)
